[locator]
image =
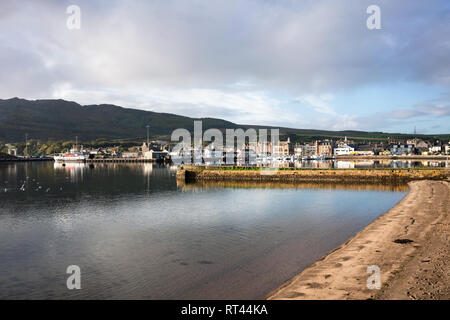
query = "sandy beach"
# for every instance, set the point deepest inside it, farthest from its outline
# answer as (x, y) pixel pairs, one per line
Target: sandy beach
(410, 244)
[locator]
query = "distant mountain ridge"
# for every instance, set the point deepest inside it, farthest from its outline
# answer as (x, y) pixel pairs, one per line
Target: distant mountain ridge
(63, 120)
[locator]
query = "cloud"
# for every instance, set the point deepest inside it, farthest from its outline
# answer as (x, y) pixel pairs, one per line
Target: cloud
(420, 110)
(238, 59)
(404, 114)
(441, 110)
(305, 45)
(329, 118)
(242, 107)
(318, 103)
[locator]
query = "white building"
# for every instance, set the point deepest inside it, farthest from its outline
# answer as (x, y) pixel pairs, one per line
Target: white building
(130, 154)
(435, 149)
(12, 152)
(158, 155)
(343, 150)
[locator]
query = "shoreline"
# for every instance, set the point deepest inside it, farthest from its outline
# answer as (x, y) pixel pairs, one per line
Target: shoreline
(414, 267)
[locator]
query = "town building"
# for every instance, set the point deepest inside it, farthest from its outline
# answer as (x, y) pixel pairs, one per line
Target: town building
(447, 148)
(435, 149)
(156, 155)
(305, 151)
(130, 154)
(401, 149)
(283, 148)
(324, 148)
(261, 148)
(12, 152)
(343, 150)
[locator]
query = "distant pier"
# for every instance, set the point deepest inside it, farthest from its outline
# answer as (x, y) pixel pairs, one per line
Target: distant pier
(109, 160)
(25, 160)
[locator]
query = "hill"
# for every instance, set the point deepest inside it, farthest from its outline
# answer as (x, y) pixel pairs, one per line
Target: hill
(63, 120)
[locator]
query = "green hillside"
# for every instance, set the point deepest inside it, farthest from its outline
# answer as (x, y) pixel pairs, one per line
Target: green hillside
(63, 120)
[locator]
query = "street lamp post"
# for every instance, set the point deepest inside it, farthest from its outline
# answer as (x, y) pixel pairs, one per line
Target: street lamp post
(26, 144)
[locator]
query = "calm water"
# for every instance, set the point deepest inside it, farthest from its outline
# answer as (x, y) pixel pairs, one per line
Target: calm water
(135, 233)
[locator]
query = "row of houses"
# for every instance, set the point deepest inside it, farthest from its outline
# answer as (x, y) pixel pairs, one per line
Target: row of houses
(329, 148)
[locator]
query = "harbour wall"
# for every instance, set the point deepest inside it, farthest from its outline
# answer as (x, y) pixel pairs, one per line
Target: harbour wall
(199, 173)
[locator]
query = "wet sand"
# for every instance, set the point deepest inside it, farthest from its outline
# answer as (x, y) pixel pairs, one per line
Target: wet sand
(410, 244)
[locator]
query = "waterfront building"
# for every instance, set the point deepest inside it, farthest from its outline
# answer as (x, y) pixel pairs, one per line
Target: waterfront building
(401, 149)
(324, 148)
(145, 148)
(435, 149)
(417, 143)
(156, 155)
(129, 155)
(262, 148)
(447, 148)
(283, 149)
(343, 150)
(12, 152)
(306, 151)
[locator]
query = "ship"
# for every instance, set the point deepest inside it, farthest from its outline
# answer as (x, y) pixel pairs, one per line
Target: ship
(72, 156)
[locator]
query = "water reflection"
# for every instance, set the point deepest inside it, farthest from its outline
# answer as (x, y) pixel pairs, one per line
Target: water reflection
(20, 180)
(136, 234)
(286, 185)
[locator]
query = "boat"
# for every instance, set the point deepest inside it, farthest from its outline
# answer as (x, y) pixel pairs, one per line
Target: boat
(72, 156)
(320, 158)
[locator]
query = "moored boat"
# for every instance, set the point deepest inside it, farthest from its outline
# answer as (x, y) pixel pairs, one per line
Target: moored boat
(72, 156)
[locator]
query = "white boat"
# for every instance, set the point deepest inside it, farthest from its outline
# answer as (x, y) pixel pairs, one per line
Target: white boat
(72, 156)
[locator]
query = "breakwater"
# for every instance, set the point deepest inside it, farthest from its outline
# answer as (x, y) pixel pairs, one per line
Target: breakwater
(291, 175)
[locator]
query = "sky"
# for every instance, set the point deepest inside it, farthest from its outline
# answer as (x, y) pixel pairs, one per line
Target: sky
(311, 64)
